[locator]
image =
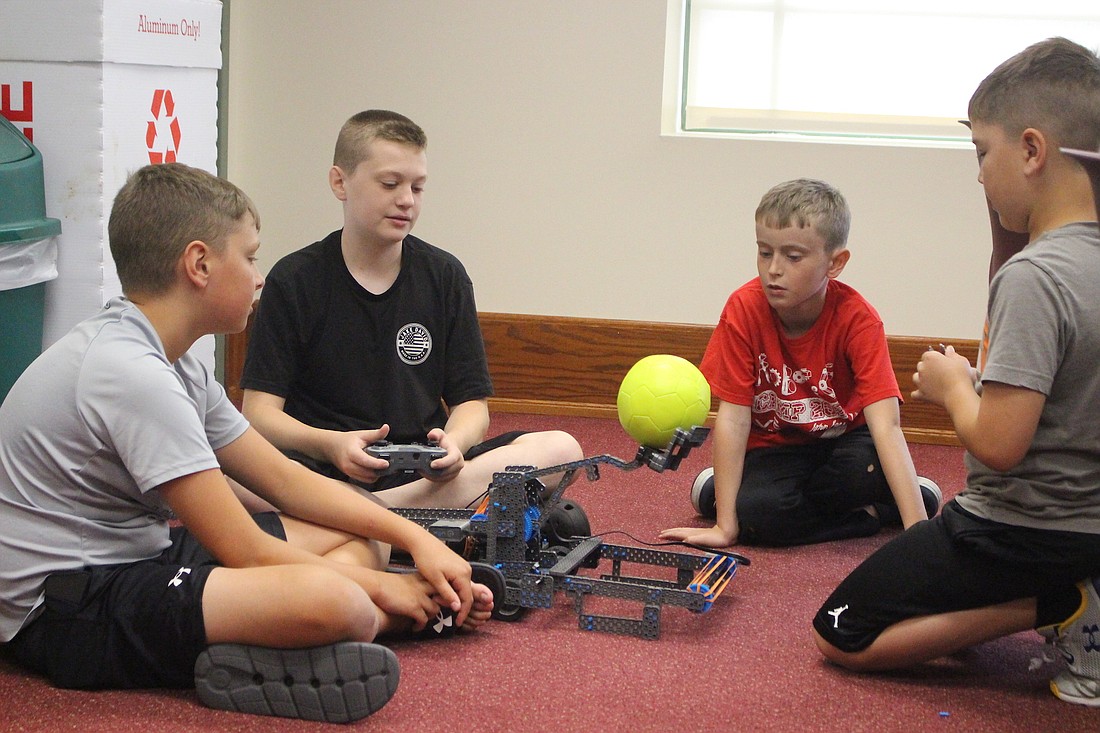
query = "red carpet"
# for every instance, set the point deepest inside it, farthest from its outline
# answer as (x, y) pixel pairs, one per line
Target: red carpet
(746, 665)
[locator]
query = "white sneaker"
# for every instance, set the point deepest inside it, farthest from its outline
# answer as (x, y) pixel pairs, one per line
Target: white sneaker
(1078, 640)
(702, 493)
(930, 494)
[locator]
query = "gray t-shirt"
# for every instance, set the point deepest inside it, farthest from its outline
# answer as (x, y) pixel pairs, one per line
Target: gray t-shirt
(1044, 335)
(95, 423)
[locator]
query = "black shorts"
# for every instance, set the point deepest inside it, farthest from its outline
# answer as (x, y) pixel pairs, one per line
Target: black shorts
(398, 479)
(952, 562)
(131, 625)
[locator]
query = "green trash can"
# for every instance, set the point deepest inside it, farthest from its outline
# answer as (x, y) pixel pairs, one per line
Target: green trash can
(28, 253)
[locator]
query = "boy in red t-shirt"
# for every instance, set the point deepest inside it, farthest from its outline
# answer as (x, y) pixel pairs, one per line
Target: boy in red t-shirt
(808, 444)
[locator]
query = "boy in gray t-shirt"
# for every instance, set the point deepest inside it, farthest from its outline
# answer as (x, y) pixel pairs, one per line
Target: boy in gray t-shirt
(117, 429)
(1017, 548)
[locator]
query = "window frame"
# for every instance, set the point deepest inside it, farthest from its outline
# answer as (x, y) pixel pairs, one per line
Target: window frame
(679, 118)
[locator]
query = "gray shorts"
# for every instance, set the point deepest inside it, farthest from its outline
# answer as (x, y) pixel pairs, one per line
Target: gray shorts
(132, 625)
(953, 562)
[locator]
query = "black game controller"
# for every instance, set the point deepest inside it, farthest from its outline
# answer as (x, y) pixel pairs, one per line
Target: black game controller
(408, 457)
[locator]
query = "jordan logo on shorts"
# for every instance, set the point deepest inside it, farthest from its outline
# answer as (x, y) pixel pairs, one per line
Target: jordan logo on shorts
(835, 613)
(178, 580)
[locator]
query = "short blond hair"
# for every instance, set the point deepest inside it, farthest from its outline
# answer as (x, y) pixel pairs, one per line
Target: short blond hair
(806, 202)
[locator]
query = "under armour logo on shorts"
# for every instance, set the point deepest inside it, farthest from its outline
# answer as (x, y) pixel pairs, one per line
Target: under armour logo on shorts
(178, 580)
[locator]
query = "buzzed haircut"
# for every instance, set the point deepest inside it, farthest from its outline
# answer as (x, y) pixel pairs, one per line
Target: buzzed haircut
(353, 142)
(159, 211)
(807, 202)
(1052, 86)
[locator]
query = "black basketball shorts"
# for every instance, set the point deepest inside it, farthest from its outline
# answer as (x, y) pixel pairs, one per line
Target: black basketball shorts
(131, 625)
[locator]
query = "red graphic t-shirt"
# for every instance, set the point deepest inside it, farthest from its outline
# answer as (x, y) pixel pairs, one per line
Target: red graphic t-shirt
(814, 386)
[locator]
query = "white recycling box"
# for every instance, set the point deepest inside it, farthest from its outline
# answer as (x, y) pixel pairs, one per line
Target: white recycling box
(103, 87)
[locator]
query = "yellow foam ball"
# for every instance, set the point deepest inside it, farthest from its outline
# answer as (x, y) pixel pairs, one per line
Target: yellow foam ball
(659, 394)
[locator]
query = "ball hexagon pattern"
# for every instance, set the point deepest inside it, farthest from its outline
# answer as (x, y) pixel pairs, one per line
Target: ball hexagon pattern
(659, 394)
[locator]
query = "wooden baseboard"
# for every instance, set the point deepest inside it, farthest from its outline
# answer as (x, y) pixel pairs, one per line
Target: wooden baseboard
(556, 365)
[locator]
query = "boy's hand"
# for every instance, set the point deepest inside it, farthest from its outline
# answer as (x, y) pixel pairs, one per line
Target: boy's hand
(408, 595)
(715, 536)
(447, 573)
(938, 374)
(348, 452)
(447, 467)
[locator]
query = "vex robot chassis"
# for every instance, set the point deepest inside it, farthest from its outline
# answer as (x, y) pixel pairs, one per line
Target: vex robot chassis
(524, 559)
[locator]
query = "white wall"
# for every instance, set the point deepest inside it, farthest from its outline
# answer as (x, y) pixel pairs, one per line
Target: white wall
(548, 175)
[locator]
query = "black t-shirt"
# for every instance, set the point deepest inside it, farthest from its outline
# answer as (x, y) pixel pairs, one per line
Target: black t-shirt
(346, 359)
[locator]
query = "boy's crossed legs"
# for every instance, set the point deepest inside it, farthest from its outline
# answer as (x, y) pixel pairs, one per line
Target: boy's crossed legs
(326, 619)
(303, 631)
(303, 605)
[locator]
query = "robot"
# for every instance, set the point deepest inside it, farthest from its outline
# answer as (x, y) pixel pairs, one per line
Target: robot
(526, 544)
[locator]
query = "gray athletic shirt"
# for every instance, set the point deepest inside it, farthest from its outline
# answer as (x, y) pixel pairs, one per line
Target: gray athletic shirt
(95, 423)
(1044, 335)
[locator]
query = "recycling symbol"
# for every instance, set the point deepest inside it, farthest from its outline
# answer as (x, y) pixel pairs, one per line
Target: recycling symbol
(162, 136)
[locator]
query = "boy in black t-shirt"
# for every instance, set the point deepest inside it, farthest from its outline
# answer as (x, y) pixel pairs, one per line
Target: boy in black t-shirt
(372, 334)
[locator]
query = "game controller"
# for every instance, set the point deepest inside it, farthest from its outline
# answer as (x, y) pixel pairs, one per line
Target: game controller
(407, 457)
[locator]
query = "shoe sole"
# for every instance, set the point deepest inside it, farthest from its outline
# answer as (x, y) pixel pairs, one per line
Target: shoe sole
(1092, 702)
(337, 683)
(697, 489)
(934, 489)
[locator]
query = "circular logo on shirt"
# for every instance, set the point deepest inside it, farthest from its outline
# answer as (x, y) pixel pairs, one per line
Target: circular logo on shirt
(414, 343)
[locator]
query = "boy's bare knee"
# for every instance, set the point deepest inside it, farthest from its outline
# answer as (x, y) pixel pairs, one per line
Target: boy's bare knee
(363, 553)
(827, 650)
(335, 607)
(855, 661)
(562, 446)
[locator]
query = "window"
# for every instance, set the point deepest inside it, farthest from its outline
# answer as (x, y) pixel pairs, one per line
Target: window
(866, 70)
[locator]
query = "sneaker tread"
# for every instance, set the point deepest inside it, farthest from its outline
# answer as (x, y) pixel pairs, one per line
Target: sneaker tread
(337, 683)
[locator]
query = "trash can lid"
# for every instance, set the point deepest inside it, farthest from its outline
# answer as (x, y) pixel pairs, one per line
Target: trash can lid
(30, 231)
(13, 146)
(22, 190)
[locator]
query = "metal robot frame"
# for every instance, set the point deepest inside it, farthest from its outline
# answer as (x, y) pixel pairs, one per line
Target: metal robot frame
(515, 560)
